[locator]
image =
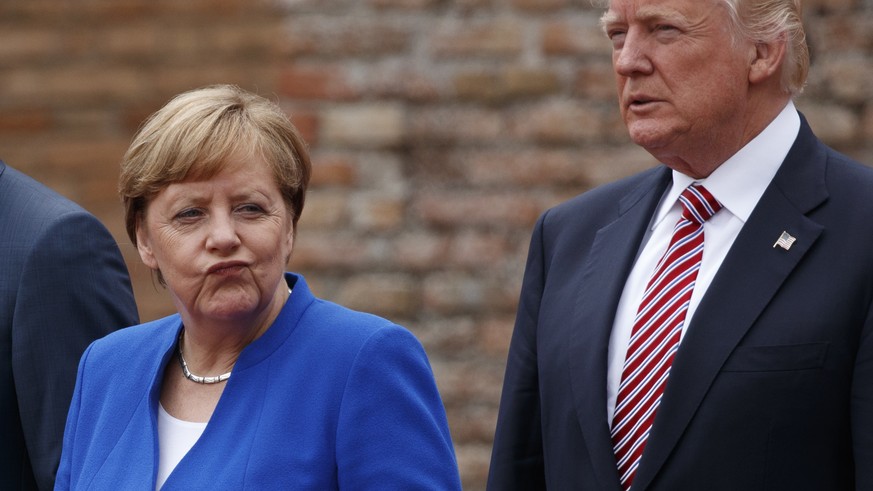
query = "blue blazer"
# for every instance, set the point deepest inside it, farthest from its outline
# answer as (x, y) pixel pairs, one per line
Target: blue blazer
(327, 398)
(772, 387)
(63, 284)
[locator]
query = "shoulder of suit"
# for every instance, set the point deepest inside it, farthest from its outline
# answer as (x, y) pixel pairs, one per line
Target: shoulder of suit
(18, 187)
(126, 341)
(341, 325)
(606, 197)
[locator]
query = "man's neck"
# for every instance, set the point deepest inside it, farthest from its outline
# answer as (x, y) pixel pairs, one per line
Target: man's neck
(699, 163)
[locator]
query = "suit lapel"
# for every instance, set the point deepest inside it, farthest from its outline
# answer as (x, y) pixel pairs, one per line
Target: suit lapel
(749, 277)
(612, 254)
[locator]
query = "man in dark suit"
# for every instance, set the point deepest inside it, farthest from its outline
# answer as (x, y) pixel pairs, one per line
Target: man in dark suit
(760, 375)
(63, 283)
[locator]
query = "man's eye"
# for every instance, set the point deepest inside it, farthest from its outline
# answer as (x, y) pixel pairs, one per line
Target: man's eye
(617, 38)
(612, 34)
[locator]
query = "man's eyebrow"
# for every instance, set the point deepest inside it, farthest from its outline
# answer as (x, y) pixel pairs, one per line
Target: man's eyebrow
(609, 17)
(659, 13)
(644, 14)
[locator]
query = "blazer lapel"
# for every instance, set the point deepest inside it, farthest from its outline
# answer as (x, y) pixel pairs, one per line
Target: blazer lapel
(602, 280)
(749, 277)
(135, 447)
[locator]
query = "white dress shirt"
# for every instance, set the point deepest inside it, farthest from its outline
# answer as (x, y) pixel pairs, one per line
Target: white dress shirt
(738, 185)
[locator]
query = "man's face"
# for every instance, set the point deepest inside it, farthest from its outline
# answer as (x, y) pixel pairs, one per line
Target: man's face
(682, 77)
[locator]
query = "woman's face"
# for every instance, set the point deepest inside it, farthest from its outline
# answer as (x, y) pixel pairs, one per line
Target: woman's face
(221, 244)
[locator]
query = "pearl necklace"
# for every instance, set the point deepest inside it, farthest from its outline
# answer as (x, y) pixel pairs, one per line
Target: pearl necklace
(197, 378)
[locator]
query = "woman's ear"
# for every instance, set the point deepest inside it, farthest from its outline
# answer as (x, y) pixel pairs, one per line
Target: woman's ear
(767, 60)
(289, 242)
(143, 245)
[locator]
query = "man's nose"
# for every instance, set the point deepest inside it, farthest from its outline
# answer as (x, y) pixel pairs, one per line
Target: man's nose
(633, 55)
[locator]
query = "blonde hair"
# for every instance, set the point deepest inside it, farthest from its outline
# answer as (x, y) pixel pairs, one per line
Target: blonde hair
(196, 133)
(766, 21)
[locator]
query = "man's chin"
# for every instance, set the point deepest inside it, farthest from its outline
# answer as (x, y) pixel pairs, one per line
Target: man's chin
(648, 137)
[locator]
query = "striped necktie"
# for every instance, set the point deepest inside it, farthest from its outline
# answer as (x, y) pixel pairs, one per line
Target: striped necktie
(656, 332)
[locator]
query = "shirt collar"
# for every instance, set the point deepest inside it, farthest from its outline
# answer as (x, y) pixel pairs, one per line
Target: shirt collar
(741, 180)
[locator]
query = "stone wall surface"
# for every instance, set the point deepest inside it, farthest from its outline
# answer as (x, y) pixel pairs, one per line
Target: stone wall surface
(440, 130)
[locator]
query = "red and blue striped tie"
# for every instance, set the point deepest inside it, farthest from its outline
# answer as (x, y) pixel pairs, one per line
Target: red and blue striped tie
(656, 332)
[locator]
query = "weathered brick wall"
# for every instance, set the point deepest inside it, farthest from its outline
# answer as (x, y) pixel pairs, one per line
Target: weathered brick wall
(440, 129)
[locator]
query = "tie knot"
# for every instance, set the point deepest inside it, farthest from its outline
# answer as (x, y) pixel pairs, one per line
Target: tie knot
(698, 204)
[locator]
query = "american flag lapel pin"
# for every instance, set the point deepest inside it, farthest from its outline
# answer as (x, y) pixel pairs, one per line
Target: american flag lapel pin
(785, 241)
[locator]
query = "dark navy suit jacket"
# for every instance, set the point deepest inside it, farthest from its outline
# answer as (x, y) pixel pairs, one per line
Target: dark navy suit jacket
(63, 283)
(772, 386)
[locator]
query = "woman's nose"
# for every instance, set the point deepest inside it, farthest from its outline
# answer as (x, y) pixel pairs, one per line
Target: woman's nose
(223, 233)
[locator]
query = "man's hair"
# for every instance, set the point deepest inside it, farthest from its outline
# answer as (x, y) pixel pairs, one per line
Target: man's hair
(767, 21)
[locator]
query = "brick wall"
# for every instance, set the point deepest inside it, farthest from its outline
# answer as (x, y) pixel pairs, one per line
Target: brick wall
(440, 129)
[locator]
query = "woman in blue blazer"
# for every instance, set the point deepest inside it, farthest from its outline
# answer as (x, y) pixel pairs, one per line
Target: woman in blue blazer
(254, 383)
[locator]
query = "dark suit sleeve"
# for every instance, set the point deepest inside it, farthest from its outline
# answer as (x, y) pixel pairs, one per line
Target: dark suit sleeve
(862, 408)
(517, 455)
(74, 288)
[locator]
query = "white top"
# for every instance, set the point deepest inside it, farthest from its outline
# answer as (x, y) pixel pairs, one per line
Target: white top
(738, 185)
(175, 439)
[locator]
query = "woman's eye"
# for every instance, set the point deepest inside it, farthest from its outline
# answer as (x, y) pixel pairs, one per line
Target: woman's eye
(188, 214)
(250, 208)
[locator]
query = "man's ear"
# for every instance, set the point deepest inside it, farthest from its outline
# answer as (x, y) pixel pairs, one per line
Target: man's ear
(767, 60)
(143, 245)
